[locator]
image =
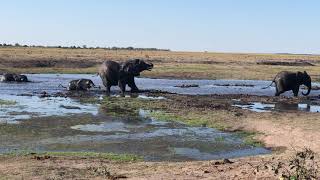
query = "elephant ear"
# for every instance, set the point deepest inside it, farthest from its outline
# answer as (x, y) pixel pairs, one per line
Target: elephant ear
(300, 77)
(131, 67)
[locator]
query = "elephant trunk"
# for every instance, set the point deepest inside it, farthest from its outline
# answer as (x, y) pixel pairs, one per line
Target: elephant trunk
(309, 89)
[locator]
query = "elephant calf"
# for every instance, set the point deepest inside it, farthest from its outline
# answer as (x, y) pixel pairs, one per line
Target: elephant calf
(79, 85)
(122, 74)
(286, 81)
(10, 77)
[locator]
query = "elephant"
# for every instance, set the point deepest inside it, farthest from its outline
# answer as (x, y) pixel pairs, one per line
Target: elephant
(10, 77)
(79, 85)
(286, 81)
(20, 78)
(122, 74)
(7, 77)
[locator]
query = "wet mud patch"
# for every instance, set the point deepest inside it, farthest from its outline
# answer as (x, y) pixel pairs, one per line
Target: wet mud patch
(120, 124)
(140, 135)
(278, 106)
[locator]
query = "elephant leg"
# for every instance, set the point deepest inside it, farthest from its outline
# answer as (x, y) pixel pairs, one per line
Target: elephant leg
(108, 87)
(122, 86)
(295, 92)
(132, 85)
(277, 91)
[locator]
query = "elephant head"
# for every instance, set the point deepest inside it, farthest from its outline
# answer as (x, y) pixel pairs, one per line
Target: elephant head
(304, 79)
(134, 67)
(85, 84)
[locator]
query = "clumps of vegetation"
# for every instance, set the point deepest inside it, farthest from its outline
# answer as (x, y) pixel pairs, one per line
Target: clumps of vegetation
(302, 166)
(249, 138)
(7, 102)
(103, 171)
(85, 47)
(193, 111)
(108, 156)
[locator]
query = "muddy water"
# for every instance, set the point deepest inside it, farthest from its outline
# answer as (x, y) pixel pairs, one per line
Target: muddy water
(50, 83)
(278, 106)
(139, 134)
(64, 124)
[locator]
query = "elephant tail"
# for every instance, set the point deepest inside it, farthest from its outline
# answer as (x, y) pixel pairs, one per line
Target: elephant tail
(270, 84)
(60, 85)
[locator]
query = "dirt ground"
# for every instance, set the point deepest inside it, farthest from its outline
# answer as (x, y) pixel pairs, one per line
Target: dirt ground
(284, 132)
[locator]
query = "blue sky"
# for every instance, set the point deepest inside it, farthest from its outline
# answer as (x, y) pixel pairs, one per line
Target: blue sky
(275, 26)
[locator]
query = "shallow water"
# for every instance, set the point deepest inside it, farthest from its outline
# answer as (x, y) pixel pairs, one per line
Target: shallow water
(26, 107)
(50, 83)
(65, 124)
(279, 106)
(140, 135)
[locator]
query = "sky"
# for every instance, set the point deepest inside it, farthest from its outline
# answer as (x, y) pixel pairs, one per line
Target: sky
(248, 26)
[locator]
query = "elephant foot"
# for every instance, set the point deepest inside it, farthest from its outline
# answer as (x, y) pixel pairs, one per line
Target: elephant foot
(135, 91)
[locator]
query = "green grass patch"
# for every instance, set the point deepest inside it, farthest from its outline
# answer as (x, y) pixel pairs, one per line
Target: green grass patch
(249, 138)
(167, 110)
(109, 156)
(7, 102)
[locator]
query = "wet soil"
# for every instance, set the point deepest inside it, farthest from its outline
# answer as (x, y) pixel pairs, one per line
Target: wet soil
(78, 131)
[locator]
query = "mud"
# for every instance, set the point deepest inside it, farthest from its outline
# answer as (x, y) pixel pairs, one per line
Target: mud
(154, 140)
(45, 117)
(279, 106)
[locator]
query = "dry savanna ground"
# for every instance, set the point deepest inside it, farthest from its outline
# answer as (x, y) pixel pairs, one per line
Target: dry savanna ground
(168, 64)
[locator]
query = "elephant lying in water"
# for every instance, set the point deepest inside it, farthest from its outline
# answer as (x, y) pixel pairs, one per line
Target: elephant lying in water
(286, 81)
(11, 77)
(121, 74)
(79, 85)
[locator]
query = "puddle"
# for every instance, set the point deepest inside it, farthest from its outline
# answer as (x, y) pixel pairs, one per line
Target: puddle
(154, 140)
(26, 107)
(279, 106)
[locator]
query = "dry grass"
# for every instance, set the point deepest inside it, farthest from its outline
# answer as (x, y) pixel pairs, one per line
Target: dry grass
(167, 64)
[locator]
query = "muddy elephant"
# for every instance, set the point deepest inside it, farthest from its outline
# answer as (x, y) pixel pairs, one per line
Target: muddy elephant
(20, 78)
(79, 85)
(286, 81)
(122, 74)
(10, 77)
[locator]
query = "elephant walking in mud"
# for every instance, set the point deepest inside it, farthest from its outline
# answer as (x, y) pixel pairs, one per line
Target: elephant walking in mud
(121, 74)
(286, 81)
(11, 77)
(79, 85)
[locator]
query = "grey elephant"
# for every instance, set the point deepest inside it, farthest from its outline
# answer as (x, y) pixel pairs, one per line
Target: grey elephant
(10, 77)
(79, 85)
(286, 81)
(7, 77)
(20, 78)
(122, 74)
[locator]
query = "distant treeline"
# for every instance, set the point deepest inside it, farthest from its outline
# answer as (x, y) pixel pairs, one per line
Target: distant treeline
(84, 47)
